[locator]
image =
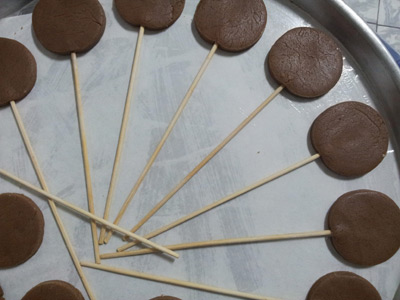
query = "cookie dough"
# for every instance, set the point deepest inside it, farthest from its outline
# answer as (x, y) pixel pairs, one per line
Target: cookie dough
(21, 229)
(66, 26)
(53, 290)
(17, 71)
(151, 14)
(306, 61)
(1, 294)
(165, 298)
(351, 138)
(343, 286)
(234, 25)
(365, 227)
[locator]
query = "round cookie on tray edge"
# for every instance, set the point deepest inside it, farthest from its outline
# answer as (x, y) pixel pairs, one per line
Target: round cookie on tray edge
(351, 137)
(365, 227)
(21, 229)
(343, 286)
(17, 71)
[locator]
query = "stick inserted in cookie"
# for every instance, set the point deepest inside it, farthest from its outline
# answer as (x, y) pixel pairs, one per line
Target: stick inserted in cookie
(67, 27)
(310, 70)
(364, 227)
(214, 22)
(19, 65)
(152, 15)
(350, 137)
(87, 214)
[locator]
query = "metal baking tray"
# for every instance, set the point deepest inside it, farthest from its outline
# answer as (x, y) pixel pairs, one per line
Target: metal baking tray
(231, 88)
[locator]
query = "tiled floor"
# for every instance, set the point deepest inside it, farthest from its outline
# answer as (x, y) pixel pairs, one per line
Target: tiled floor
(383, 16)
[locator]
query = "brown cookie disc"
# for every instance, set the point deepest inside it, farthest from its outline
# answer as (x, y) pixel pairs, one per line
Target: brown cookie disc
(17, 71)
(21, 229)
(1, 294)
(234, 25)
(165, 298)
(351, 138)
(365, 227)
(342, 286)
(53, 290)
(306, 61)
(66, 26)
(151, 14)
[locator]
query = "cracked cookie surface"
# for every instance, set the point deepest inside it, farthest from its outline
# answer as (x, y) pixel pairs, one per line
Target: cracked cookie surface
(306, 61)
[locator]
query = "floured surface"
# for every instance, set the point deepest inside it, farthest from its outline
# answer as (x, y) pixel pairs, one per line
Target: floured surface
(231, 88)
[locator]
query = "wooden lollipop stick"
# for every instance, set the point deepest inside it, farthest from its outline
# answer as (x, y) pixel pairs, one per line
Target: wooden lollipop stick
(224, 200)
(236, 241)
(208, 158)
(164, 138)
(191, 285)
(87, 214)
(53, 207)
(122, 133)
(89, 189)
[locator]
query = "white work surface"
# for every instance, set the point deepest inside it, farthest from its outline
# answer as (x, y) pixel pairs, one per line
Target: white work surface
(233, 85)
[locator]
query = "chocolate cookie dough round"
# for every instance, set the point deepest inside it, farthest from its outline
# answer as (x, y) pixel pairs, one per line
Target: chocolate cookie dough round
(151, 14)
(17, 71)
(234, 25)
(1, 294)
(21, 229)
(351, 138)
(306, 61)
(66, 26)
(53, 290)
(165, 298)
(365, 227)
(343, 286)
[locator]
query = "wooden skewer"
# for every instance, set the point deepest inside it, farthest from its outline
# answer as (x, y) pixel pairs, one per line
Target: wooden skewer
(164, 138)
(208, 158)
(53, 207)
(87, 214)
(224, 200)
(176, 282)
(214, 243)
(85, 156)
(122, 133)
